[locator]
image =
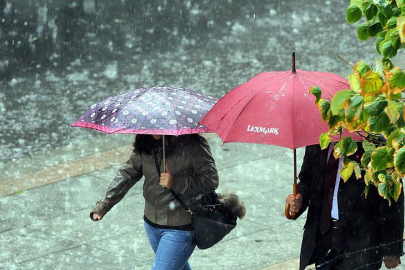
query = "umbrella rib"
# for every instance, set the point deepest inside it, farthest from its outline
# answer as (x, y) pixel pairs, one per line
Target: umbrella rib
(312, 77)
(144, 119)
(173, 110)
(292, 114)
(236, 118)
(315, 84)
(250, 99)
(141, 94)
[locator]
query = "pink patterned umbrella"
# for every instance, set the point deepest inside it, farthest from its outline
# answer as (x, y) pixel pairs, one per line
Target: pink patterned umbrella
(149, 110)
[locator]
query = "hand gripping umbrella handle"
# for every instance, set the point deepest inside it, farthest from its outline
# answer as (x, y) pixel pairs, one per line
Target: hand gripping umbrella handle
(287, 212)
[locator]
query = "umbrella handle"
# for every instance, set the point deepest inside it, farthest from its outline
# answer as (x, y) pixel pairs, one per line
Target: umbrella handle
(287, 213)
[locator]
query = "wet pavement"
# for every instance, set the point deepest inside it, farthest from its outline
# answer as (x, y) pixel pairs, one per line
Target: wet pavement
(47, 226)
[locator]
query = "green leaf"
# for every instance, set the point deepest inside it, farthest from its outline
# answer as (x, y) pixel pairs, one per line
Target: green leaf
(371, 83)
(350, 145)
(368, 146)
(400, 3)
(398, 79)
(396, 97)
(397, 191)
(368, 177)
(370, 11)
(376, 108)
(325, 108)
(378, 43)
(366, 158)
(387, 63)
(366, 190)
(381, 3)
(346, 147)
(396, 11)
(394, 138)
(382, 34)
(361, 68)
(379, 68)
(392, 111)
(333, 121)
(317, 92)
(375, 176)
(363, 31)
(347, 171)
(401, 27)
(357, 170)
(379, 123)
(383, 191)
(385, 178)
(394, 38)
(374, 29)
(383, 20)
(354, 83)
(401, 121)
(324, 140)
(387, 49)
(387, 11)
(392, 23)
(353, 113)
(339, 100)
(399, 161)
(380, 158)
(353, 14)
(358, 3)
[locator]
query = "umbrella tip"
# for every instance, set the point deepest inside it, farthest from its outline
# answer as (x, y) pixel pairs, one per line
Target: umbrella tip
(293, 63)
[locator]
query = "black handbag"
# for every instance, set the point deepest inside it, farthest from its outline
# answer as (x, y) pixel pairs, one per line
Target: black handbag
(211, 220)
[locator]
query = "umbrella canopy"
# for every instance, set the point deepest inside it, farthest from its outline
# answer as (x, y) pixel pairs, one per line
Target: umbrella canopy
(149, 110)
(274, 108)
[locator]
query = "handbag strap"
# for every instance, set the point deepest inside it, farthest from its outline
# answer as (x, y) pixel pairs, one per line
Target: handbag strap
(185, 206)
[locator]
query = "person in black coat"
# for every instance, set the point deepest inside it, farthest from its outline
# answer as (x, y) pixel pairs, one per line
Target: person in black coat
(360, 232)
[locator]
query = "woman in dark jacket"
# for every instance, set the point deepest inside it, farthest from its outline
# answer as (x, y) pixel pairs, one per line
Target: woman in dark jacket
(189, 171)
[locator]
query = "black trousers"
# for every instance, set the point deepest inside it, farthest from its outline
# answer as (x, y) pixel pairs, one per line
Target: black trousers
(330, 252)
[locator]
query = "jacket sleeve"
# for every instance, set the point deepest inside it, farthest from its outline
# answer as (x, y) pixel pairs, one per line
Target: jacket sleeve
(392, 226)
(305, 176)
(127, 176)
(205, 177)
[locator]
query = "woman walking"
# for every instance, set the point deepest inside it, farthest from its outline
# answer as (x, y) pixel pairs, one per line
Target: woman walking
(189, 172)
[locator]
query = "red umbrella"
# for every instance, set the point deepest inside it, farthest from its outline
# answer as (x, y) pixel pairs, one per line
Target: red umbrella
(275, 108)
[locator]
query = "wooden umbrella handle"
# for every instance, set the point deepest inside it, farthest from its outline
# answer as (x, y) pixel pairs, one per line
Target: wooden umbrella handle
(287, 212)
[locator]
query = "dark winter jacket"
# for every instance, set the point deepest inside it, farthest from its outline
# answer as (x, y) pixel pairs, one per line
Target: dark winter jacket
(193, 171)
(368, 225)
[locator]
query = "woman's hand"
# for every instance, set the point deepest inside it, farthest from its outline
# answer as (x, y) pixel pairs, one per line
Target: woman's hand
(97, 216)
(166, 178)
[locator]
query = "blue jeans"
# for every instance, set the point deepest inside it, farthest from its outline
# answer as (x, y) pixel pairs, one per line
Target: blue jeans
(172, 248)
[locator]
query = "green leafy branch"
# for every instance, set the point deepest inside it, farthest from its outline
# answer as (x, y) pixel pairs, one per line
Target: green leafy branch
(385, 19)
(373, 106)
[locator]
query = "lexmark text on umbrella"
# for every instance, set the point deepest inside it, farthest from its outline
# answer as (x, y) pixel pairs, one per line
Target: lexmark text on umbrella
(262, 129)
